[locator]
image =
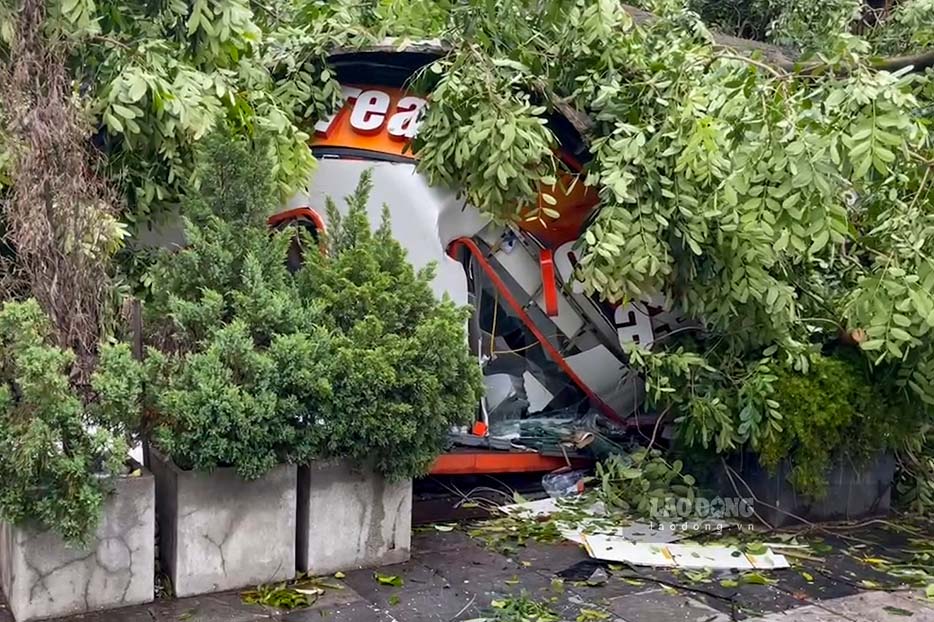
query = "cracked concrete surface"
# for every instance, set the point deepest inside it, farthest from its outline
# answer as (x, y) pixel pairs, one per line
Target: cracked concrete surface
(42, 576)
(218, 532)
(351, 517)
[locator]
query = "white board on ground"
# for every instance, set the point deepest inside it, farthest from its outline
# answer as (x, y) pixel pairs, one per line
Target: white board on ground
(661, 555)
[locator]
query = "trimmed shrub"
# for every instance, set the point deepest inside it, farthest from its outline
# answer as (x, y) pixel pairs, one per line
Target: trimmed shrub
(58, 445)
(350, 356)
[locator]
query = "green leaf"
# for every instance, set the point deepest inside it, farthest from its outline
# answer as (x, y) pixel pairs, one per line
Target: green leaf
(509, 135)
(123, 111)
(901, 320)
(385, 579)
(113, 122)
(900, 334)
(137, 90)
(820, 241)
(756, 578)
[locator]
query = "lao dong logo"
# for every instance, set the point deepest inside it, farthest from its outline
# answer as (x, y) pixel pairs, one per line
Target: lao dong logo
(700, 510)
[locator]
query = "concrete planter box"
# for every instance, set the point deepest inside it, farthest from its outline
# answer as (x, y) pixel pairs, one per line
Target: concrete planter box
(219, 532)
(43, 576)
(350, 517)
(853, 491)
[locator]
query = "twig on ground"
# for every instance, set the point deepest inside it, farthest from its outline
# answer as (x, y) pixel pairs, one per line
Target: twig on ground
(465, 607)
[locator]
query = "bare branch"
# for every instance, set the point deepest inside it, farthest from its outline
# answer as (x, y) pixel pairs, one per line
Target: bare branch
(58, 213)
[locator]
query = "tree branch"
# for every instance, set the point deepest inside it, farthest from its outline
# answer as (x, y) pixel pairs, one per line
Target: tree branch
(784, 58)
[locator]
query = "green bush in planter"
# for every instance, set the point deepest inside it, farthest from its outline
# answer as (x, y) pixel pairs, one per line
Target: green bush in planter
(59, 444)
(402, 371)
(351, 356)
(239, 357)
(835, 411)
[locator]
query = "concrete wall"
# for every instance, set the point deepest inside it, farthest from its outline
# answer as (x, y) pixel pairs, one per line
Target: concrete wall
(219, 532)
(349, 517)
(42, 576)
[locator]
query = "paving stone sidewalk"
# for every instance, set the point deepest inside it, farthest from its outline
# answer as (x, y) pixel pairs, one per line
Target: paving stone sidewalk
(452, 577)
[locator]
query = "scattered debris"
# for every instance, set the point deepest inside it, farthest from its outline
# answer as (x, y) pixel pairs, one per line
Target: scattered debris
(540, 508)
(519, 609)
(565, 483)
(277, 596)
(303, 591)
(575, 517)
(598, 577)
(591, 615)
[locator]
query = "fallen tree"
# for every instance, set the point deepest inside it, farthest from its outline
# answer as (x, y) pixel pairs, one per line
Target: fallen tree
(782, 202)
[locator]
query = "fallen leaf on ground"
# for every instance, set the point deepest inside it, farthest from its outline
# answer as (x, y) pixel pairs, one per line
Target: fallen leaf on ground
(589, 615)
(386, 579)
(897, 611)
(755, 578)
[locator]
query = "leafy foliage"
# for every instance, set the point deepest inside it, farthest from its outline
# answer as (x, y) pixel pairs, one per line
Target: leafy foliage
(784, 210)
(58, 446)
(749, 19)
(158, 77)
(910, 27)
(352, 356)
(236, 336)
(916, 473)
(833, 412)
(59, 217)
(813, 26)
(632, 483)
(714, 414)
(303, 591)
(401, 372)
(521, 608)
